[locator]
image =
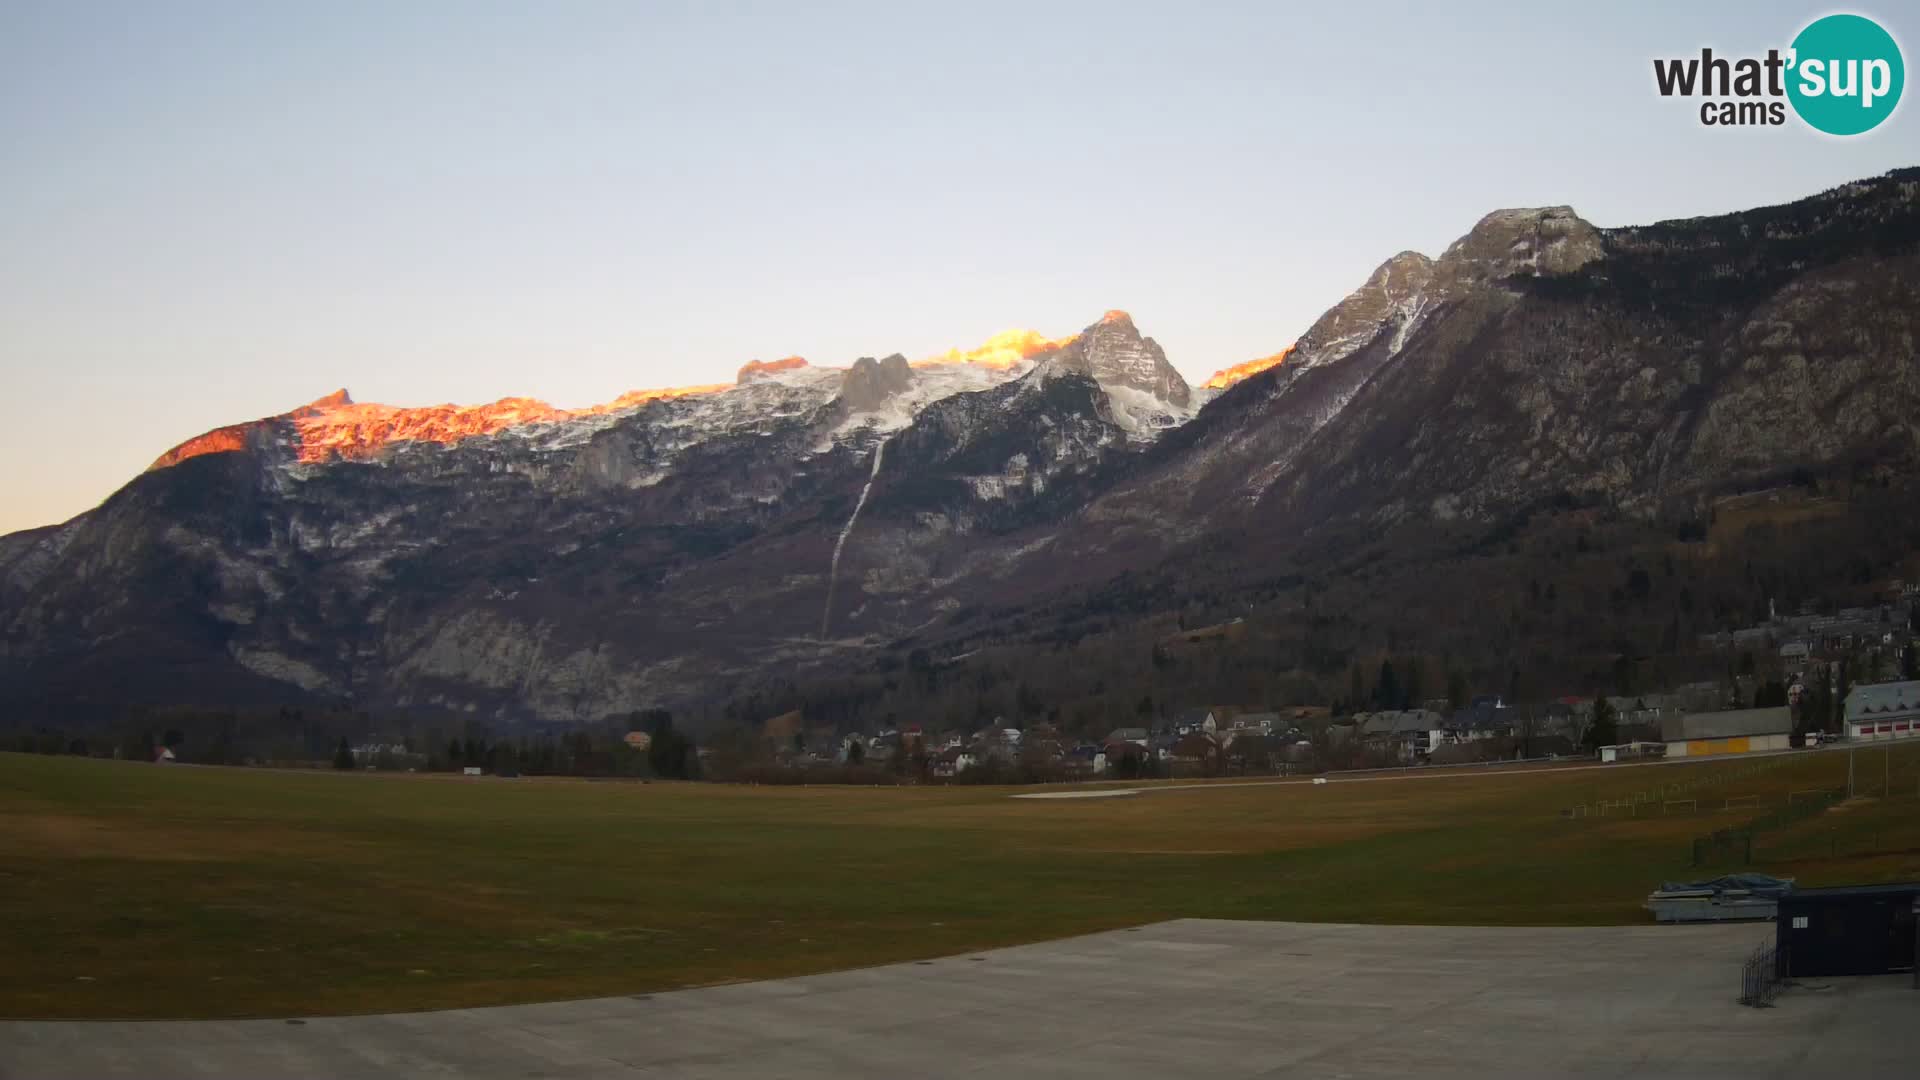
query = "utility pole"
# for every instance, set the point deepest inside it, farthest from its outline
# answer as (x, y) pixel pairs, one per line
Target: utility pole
(1851, 752)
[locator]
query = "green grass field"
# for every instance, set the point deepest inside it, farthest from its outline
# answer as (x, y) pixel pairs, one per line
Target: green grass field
(142, 891)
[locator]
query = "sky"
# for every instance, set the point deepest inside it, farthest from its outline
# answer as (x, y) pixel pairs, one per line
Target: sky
(216, 212)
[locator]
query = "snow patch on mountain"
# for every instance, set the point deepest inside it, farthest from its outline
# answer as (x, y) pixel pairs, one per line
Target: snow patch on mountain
(930, 384)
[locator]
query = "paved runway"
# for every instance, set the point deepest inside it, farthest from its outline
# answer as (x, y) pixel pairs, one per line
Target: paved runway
(1185, 998)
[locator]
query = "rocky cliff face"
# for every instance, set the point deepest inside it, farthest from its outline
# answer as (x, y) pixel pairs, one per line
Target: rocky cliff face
(1646, 368)
(511, 562)
(871, 383)
(1112, 353)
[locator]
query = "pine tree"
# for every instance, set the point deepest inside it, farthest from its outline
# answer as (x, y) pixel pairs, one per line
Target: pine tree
(1386, 693)
(1604, 731)
(343, 755)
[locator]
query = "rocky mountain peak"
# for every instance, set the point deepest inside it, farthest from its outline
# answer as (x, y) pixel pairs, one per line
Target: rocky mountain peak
(1523, 242)
(339, 399)
(1113, 353)
(870, 383)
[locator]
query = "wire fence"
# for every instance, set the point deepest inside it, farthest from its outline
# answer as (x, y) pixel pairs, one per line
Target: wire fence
(1878, 818)
(1735, 842)
(1762, 976)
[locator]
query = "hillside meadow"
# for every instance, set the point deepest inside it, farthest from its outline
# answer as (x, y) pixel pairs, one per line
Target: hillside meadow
(130, 890)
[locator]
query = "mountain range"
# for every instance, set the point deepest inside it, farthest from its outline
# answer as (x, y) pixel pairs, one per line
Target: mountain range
(519, 563)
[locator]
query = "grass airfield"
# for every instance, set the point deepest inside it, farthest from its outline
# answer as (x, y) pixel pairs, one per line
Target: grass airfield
(136, 891)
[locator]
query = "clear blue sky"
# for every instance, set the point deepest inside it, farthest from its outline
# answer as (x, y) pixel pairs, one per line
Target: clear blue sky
(213, 212)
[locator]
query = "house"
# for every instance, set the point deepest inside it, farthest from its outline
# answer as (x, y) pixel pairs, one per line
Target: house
(1412, 732)
(1188, 721)
(1265, 723)
(1135, 735)
(162, 756)
(1734, 731)
(1883, 711)
(1567, 716)
(1486, 718)
(638, 740)
(1638, 719)
(952, 762)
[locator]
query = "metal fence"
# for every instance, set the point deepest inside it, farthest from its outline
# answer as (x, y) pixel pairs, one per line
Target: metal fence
(1762, 976)
(1734, 844)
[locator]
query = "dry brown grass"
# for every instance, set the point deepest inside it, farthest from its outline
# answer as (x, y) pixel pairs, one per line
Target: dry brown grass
(131, 890)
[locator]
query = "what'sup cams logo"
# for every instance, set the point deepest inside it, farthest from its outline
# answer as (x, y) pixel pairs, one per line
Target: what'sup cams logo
(1842, 75)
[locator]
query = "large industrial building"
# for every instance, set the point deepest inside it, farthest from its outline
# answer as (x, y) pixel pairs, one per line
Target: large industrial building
(1737, 731)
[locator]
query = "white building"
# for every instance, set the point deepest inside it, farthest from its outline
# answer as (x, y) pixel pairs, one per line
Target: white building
(1884, 711)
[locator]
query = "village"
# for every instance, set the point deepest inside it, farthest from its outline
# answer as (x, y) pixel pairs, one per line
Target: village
(1794, 681)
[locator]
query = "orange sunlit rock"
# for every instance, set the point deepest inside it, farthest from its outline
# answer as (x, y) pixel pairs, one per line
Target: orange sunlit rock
(357, 431)
(218, 441)
(1002, 350)
(1226, 377)
(336, 426)
(640, 397)
(755, 368)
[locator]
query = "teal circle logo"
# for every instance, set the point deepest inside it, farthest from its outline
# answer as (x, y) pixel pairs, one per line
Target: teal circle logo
(1847, 74)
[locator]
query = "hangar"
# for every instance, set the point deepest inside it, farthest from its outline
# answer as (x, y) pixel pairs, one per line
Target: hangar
(1737, 731)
